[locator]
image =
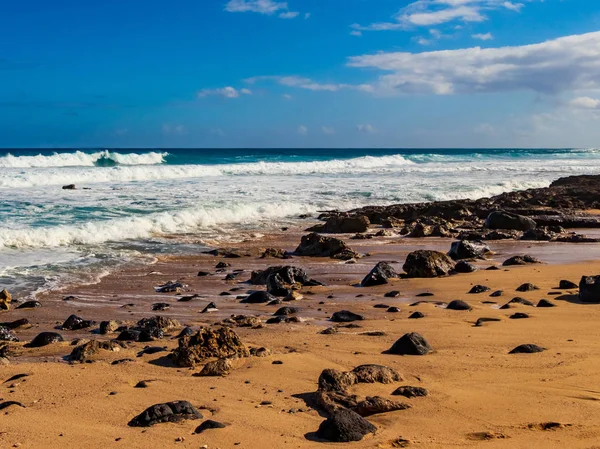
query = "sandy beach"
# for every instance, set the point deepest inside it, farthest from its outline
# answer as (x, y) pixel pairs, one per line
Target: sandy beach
(479, 395)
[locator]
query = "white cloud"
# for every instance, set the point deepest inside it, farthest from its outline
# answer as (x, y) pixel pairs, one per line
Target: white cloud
(302, 130)
(258, 6)
(289, 15)
(564, 64)
(366, 128)
(308, 84)
(287, 96)
(585, 103)
(483, 36)
(327, 130)
(356, 33)
(225, 92)
(437, 12)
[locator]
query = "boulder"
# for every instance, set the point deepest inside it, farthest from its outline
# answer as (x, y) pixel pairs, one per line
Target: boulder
(527, 287)
(476, 289)
(567, 285)
(44, 339)
(427, 264)
(208, 343)
(285, 311)
(464, 249)
(85, 351)
(589, 289)
(379, 275)
(457, 304)
(520, 260)
(168, 412)
(345, 316)
(5, 300)
(107, 327)
(69, 187)
(345, 426)
(545, 303)
(527, 349)
(376, 373)
(315, 245)
(161, 322)
(276, 286)
(462, 266)
(343, 225)
(74, 323)
(507, 220)
(288, 274)
(416, 315)
(410, 344)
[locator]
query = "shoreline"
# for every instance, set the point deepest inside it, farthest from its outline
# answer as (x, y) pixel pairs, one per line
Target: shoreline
(479, 395)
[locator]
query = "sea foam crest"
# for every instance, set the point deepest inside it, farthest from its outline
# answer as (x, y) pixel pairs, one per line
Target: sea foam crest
(82, 159)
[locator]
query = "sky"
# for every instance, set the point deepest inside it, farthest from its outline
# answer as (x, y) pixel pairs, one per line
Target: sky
(299, 73)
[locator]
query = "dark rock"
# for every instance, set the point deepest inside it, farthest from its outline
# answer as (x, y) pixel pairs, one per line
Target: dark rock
(527, 349)
(518, 316)
(497, 294)
(462, 266)
(381, 306)
(507, 220)
(209, 424)
(517, 300)
(210, 307)
(149, 350)
(393, 310)
(129, 335)
(427, 264)
(203, 273)
(275, 320)
(345, 316)
(376, 404)
(284, 311)
(259, 297)
(170, 287)
(423, 295)
(480, 321)
(379, 275)
(545, 303)
(589, 289)
(345, 426)
(410, 392)
(15, 324)
(343, 225)
(44, 339)
(567, 285)
(186, 332)
(7, 404)
(315, 245)
(74, 323)
(276, 286)
(528, 287)
(457, 304)
(161, 322)
(465, 249)
(167, 412)
(392, 294)
(222, 265)
(30, 305)
(209, 343)
(479, 289)
(160, 306)
(520, 260)
(410, 344)
(538, 234)
(151, 334)
(416, 315)
(69, 187)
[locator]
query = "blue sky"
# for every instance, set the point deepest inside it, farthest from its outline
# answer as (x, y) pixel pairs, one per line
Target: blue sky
(300, 73)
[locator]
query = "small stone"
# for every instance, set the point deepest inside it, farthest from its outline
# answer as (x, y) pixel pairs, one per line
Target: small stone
(527, 349)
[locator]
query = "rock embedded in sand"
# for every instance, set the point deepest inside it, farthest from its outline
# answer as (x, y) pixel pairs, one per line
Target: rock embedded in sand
(479, 289)
(480, 321)
(462, 266)
(85, 351)
(589, 289)
(209, 424)
(284, 311)
(259, 297)
(527, 287)
(345, 316)
(392, 294)
(376, 374)
(74, 323)
(7, 335)
(457, 304)
(210, 307)
(410, 344)
(107, 327)
(30, 305)
(345, 426)
(517, 300)
(168, 412)
(379, 275)
(161, 322)
(160, 306)
(520, 260)
(518, 316)
(374, 405)
(315, 245)
(44, 339)
(527, 349)
(5, 300)
(465, 249)
(209, 343)
(508, 220)
(410, 392)
(428, 264)
(416, 315)
(567, 285)
(545, 303)
(221, 367)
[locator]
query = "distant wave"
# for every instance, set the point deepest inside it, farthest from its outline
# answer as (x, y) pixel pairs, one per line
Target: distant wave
(81, 159)
(138, 227)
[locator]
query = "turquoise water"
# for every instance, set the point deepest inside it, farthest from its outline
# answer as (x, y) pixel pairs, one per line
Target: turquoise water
(130, 203)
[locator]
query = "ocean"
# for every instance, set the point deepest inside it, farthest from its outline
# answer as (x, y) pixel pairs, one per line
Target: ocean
(131, 205)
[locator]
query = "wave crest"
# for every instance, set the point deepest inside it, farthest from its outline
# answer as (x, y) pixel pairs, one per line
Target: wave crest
(82, 159)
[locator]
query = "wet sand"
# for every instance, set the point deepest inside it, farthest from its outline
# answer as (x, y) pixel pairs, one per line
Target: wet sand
(479, 395)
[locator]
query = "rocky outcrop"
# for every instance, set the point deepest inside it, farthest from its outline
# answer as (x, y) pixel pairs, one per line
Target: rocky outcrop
(315, 245)
(465, 249)
(427, 264)
(589, 289)
(507, 220)
(208, 343)
(343, 225)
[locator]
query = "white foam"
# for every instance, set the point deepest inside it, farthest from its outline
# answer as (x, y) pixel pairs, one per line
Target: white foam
(80, 159)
